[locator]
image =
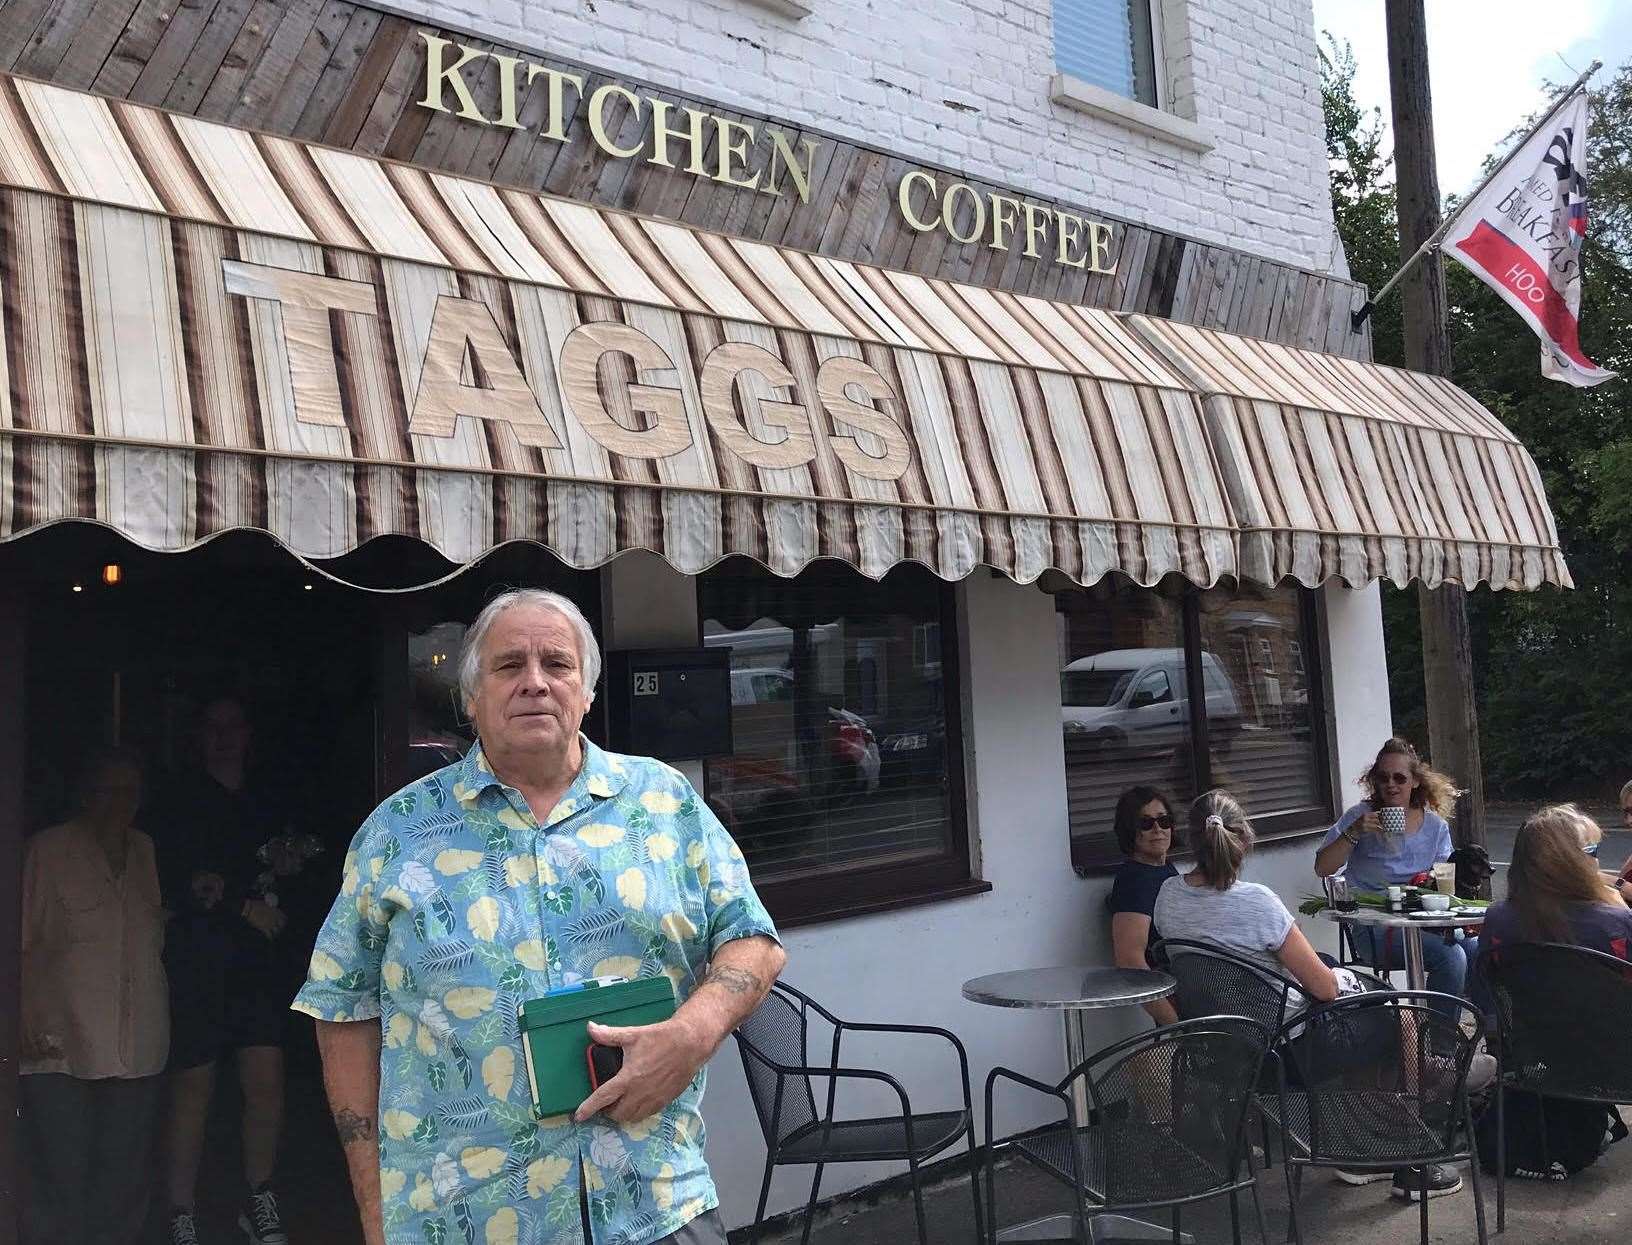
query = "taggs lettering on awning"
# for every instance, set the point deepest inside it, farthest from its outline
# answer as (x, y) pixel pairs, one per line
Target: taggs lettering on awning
(207, 329)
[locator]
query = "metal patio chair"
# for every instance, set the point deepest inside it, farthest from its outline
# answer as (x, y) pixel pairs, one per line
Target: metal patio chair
(1377, 1082)
(776, 1044)
(1215, 981)
(1167, 1113)
(1563, 1014)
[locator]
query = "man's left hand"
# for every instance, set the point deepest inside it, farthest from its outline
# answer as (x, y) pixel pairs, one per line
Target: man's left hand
(659, 1061)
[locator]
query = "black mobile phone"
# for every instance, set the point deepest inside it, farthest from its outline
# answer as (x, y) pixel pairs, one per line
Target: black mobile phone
(605, 1062)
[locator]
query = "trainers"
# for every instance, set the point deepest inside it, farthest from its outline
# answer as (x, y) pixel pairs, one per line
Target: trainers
(1354, 1177)
(259, 1218)
(182, 1229)
(1481, 1071)
(1555, 1172)
(1442, 1181)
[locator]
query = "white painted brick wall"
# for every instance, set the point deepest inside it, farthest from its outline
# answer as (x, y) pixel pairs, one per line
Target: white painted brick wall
(964, 83)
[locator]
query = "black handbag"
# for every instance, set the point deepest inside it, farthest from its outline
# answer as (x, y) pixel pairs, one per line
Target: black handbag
(1576, 1134)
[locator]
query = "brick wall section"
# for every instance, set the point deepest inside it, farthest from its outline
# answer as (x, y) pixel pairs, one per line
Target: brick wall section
(964, 83)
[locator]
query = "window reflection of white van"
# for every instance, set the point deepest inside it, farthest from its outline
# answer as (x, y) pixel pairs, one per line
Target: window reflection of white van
(760, 685)
(1136, 698)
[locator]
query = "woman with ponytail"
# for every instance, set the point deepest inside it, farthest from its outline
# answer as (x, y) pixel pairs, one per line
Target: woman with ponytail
(1212, 904)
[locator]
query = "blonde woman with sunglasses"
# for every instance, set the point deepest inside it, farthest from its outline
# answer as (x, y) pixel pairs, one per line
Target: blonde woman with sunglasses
(1358, 848)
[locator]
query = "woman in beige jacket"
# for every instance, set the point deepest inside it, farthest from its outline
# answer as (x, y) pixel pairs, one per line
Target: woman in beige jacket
(95, 1012)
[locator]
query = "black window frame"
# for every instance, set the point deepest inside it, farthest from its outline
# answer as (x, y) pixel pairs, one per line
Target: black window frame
(840, 893)
(1098, 854)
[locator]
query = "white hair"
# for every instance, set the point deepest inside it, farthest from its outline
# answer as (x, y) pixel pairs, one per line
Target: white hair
(470, 656)
(1626, 791)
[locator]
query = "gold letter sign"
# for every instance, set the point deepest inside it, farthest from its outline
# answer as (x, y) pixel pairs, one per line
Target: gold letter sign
(759, 159)
(925, 205)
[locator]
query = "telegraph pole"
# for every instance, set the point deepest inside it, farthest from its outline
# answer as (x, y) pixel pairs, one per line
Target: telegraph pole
(1447, 650)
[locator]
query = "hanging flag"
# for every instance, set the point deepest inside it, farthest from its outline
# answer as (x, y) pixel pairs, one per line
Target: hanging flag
(1522, 233)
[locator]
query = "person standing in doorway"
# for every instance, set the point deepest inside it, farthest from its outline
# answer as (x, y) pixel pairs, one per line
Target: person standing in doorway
(469, 891)
(95, 1020)
(226, 991)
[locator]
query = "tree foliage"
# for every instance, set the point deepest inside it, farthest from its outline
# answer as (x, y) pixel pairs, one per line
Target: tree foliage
(1553, 669)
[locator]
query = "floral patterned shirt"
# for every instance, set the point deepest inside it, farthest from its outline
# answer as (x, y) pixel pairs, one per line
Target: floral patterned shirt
(457, 905)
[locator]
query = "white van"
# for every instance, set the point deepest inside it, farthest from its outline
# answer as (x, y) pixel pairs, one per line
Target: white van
(1136, 698)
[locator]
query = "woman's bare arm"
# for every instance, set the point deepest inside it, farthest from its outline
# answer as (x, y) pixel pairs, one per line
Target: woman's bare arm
(1307, 968)
(1130, 931)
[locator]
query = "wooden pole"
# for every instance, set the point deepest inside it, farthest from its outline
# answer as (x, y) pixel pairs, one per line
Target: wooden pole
(1447, 651)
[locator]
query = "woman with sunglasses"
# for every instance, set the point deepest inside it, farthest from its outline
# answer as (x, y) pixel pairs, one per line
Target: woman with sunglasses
(1371, 861)
(1554, 891)
(1144, 831)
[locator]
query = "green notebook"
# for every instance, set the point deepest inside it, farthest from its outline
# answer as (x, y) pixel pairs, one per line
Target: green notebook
(555, 1034)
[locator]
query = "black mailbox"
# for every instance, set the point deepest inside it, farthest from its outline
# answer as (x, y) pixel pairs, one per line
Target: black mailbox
(670, 703)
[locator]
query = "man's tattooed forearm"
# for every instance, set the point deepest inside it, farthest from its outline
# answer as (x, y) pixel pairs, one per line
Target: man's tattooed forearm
(352, 1127)
(734, 981)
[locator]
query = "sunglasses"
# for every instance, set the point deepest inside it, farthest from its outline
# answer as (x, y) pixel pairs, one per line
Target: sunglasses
(1590, 849)
(1387, 779)
(1150, 823)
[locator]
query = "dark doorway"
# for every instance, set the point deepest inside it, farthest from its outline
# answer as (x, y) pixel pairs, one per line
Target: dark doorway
(350, 685)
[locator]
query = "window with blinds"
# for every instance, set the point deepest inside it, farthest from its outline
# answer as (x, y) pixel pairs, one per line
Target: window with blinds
(1110, 44)
(1123, 709)
(846, 759)
(1264, 740)
(1134, 661)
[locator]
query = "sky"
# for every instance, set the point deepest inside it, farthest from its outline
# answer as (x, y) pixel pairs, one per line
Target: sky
(1489, 64)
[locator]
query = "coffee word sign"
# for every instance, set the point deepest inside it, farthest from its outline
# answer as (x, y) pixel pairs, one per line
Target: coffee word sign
(692, 140)
(989, 218)
(631, 394)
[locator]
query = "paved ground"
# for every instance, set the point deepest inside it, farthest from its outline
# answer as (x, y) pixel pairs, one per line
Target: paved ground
(1589, 1208)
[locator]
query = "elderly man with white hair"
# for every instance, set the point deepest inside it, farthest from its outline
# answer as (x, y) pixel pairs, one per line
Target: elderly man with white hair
(536, 861)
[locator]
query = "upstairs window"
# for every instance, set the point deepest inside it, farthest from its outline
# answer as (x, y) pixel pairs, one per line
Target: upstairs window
(1110, 44)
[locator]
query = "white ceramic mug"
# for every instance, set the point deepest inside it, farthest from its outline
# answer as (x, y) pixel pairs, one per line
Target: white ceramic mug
(1393, 822)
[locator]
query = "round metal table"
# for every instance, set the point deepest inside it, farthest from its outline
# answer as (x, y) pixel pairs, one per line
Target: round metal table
(1072, 990)
(1416, 973)
(1069, 988)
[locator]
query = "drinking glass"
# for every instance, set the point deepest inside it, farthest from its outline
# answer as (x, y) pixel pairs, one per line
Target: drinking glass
(1337, 890)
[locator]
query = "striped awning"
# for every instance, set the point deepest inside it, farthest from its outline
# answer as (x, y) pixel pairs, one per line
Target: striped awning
(209, 329)
(1349, 470)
